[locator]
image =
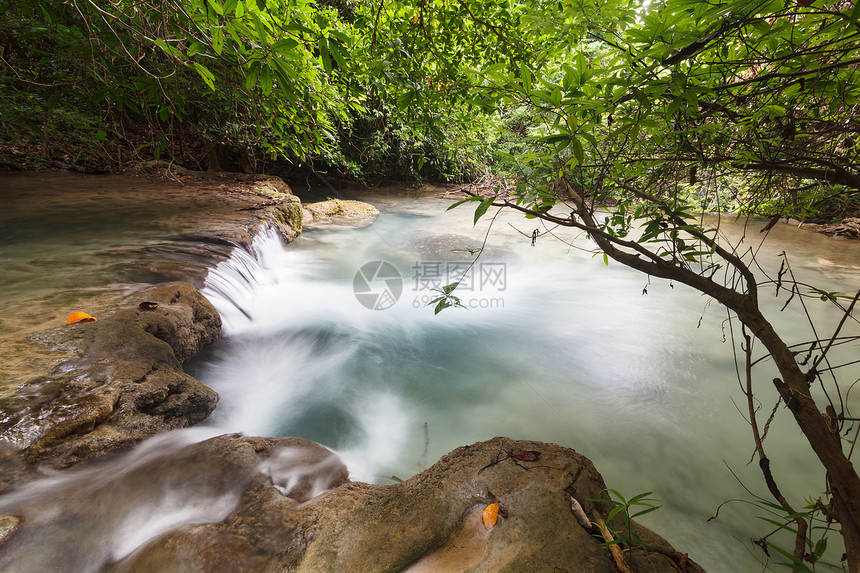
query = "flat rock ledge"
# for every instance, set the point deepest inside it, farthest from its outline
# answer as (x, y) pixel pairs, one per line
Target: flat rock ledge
(119, 380)
(848, 229)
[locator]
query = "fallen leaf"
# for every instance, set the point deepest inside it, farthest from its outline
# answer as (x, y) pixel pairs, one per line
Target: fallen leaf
(525, 455)
(491, 515)
(80, 317)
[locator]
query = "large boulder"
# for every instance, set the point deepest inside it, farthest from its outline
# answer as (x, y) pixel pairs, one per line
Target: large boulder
(123, 380)
(431, 522)
(339, 211)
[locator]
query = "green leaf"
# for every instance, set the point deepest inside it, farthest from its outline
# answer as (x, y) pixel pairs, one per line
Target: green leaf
(219, 9)
(262, 35)
(406, 98)
(217, 39)
(555, 96)
(195, 48)
(284, 45)
(578, 151)
(266, 79)
(820, 547)
(526, 78)
(482, 208)
(206, 74)
(555, 138)
(794, 564)
(252, 75)
(641, 496)
(335, 53)
(169, 49)
(855, 13)
(324, 55)
(458, 203)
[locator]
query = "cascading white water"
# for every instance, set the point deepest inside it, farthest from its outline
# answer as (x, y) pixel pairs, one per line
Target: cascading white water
(115, 507)
(564, 349)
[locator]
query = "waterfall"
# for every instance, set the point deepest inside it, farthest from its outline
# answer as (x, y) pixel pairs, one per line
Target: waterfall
(233, 283)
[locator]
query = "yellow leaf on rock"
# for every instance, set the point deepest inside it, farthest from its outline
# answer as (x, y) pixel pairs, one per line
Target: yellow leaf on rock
(80, 317)
(491, 515)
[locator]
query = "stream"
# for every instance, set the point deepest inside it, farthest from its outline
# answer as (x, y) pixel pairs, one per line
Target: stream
(331, 339)
(554, 345)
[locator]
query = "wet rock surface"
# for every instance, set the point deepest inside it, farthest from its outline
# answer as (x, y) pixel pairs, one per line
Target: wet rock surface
(430, 522)
(122, 380)
(849, 228)
(88, 517)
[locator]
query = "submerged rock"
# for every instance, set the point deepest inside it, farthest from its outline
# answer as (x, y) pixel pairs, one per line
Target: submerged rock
(124, 381)
(430, 522)
(9, 524)
(87, 517)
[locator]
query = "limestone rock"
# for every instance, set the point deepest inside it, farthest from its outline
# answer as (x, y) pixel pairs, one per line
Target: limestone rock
(849, 228)
(430, 522)
(125, 382)
(274, 187)
(286, 217)
(83, 518)
(339, 210)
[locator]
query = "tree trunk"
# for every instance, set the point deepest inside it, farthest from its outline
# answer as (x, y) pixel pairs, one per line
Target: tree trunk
(842, 478)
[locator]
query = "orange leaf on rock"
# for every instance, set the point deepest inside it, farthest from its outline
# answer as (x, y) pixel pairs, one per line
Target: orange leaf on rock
(491, 515)
(80, 317)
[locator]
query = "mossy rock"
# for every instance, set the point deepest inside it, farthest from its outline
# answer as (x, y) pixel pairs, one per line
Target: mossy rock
(339, 211)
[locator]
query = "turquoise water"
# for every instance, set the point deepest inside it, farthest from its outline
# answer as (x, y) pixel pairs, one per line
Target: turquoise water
(564, 349)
